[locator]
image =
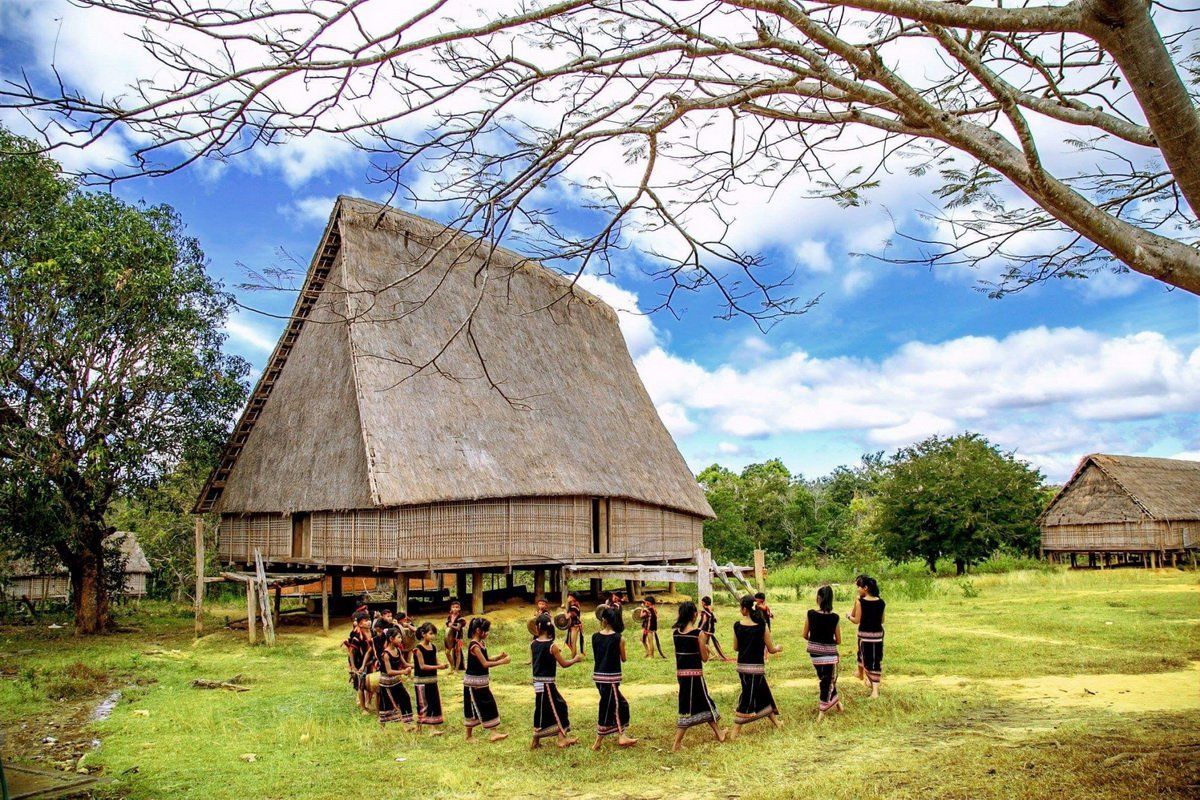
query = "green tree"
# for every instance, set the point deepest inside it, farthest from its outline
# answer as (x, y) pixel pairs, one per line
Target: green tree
(763, 507)
(835, 521)
(959, 497)
(725, 535)
(111, 370)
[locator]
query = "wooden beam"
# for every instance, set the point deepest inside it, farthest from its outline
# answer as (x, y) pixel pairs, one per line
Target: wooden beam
(199, 602)
(251, 621)
(539, 583)
(324, 605)
(402, 592)
(703, 573)
(477, 592)
(760, 570)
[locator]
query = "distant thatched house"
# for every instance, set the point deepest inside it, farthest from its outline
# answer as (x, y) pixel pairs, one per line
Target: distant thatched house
(21, 578)
(1143, 507)
(351, 458)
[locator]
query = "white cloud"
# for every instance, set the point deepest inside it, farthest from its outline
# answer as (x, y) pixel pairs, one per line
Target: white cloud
(312, 210)
(250, 335)
(637, 328)
(814, 255)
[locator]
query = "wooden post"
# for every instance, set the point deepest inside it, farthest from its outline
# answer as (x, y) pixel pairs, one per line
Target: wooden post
(597, 589)
(508, 580)
(539, 583)
(631, 591)
(477, 591)
(563, 591)
(460, 585)
(335, 587)
(402, 592)
(199, 602)
(251, 612)
(670, 587)
(278, 603)
(324, 603)
(703, 574)
(760, 570)
(1073, 564)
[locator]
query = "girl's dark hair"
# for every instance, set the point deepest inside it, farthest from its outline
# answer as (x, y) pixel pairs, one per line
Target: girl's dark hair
(359, 616)
(825, 597)
(545, 624)
(872, 586)
(608, 616)
(426, 627)
(706, 600)
(754, 614)
(858, 580)
(687, 614)
(478, 624)
(760, 596)
(390, 634)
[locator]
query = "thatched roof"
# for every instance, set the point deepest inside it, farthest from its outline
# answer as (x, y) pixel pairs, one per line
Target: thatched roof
(135, 559)
(1125, 487)
(345, 416)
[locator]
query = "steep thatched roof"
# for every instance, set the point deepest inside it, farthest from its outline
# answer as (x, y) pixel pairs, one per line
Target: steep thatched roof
(135, 559)
(380, 395)
(1125, 487)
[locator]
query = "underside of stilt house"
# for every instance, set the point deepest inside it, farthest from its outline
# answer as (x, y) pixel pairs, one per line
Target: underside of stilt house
(1126, 508)
(377, 441)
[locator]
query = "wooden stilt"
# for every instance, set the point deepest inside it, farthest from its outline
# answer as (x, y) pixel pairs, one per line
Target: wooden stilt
(325, 603)
(460, 585)
(563, 590)
(251, 612)
(508, 580)
(760, 570)
(1073, 562)
(477, 591)
(597, 589)
(703, 574)
(402, 592)
(539, 583)
(278, 603)
(199, 601)
(670, 587)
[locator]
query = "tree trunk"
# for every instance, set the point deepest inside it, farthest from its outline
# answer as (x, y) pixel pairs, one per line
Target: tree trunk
(89, 592)
(932, 562)
(960, 567)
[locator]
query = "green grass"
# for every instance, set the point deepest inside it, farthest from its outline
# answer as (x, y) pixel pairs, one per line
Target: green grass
(923, 738)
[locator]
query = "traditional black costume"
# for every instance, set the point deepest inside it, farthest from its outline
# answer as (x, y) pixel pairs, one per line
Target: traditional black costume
(395, 705)
(613, 714)
(425, 684)
(479, 705)
(823, 650)
(696, 705)
(755, 700)
(870, 637)
(550, 717)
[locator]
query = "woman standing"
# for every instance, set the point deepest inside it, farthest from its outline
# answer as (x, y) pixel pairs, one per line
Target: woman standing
(425, 682)
(479, 705)
(550, 716)
(608, 649)
(455, 623)
(867, 614)
(360, 653)
(574, 625)
(752, 640)
(691, 651)
(394, 703)
(823, 635)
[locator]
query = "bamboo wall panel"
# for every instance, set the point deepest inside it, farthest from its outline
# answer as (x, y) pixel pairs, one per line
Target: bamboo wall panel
(1148, 535)
(516, 530)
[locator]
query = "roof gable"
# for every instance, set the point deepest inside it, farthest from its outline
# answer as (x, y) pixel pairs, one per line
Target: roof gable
(1113, 488)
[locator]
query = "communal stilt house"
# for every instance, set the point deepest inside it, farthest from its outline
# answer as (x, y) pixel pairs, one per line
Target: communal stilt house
(436, 404)
(1126, 508)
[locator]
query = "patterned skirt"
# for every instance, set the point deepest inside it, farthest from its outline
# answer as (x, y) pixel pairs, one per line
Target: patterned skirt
(870, 654)
(550, 717)
(479, 705)
(613, 714)
(696, 706)
(755, 700)
(825, 660)
(429, 701)
(394, 703)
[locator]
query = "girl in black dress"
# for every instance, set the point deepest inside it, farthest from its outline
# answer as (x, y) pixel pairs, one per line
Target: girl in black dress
(394, 703)
(361, 656)
(479, 705)
(550, 717)
(574, 625)
(708, 624)
(823, 635)
(608, 648)
(696, 705)
(425, 682)
(752, 640)
(867, 614)
(455, 624)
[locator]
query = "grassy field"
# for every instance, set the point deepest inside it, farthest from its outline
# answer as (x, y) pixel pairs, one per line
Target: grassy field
(1029, 684)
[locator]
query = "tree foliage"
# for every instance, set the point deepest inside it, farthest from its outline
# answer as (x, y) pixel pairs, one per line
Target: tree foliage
(960, 498)
(111, 370)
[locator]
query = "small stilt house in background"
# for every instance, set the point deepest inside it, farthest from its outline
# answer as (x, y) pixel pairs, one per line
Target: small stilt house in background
(1127, 508)
(20, 578)
(436, 404)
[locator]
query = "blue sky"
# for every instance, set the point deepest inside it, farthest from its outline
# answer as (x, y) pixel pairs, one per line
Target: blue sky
(889, 355)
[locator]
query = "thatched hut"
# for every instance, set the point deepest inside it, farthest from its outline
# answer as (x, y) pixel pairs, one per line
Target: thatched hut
(1127, 507)
(22, 578)
(388, 435)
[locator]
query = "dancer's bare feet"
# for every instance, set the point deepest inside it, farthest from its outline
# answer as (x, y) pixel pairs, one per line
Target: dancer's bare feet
(567, 741)
(596, 744)
(497, 737)
(626, 741)
(734, 733)
(535, 744)
(775, 720)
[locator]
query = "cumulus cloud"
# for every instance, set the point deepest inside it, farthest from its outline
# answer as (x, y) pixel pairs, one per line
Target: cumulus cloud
(639, 332)
(259, 340)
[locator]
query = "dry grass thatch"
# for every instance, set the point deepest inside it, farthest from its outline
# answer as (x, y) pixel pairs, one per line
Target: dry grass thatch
(538, 398)
(1109, 489)
(136, 562)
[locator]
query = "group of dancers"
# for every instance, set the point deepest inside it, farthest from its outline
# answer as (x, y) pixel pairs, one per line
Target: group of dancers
(387, 651)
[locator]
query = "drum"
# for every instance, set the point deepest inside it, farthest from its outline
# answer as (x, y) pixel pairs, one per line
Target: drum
(408, 640)
(532, 626)
(561, 622)
(372, 681)
(640, 613)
